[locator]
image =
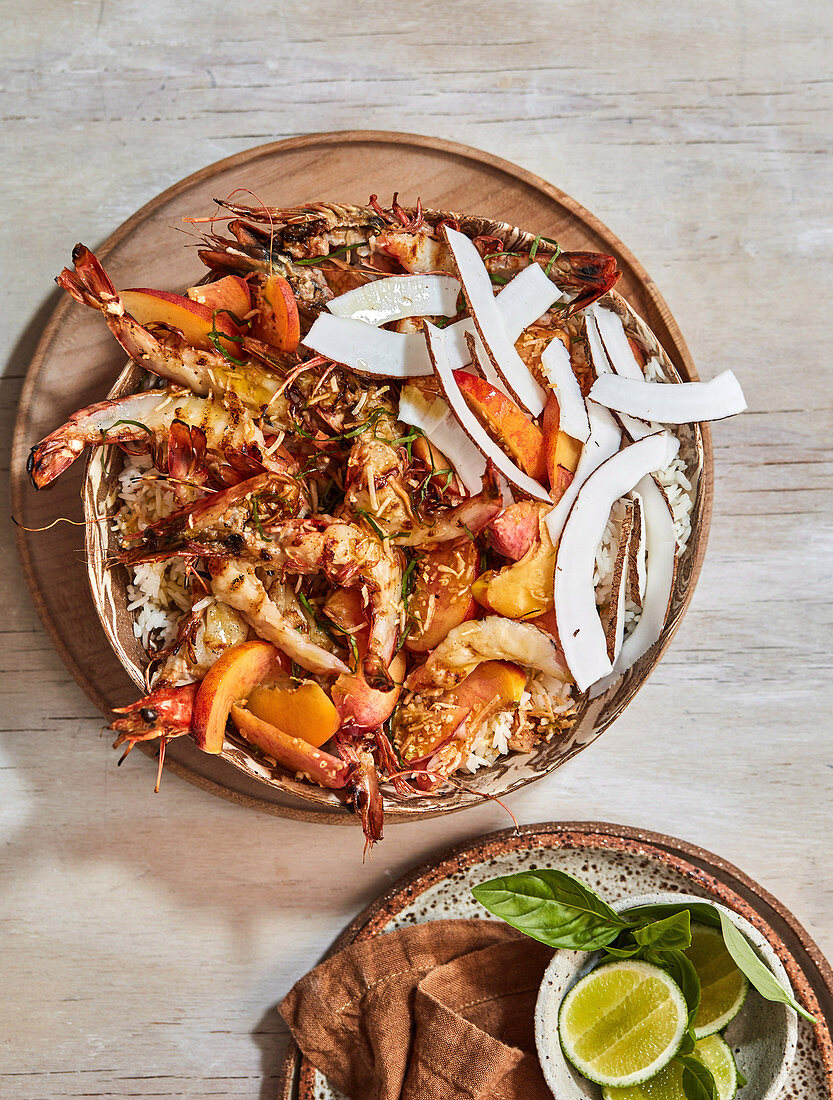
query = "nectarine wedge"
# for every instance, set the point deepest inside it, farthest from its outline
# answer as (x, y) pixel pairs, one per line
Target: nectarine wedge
(229, 293)
(561, 451)
(505, 422)
(278, 322)
(525, 588)
(492, 686)
(194, 320)
(291, 752)
(239, 669)
(441, 596)
(514, 531)
(305, 711)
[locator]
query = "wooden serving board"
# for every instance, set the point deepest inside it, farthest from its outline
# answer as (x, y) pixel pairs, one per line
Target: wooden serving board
(77, 359)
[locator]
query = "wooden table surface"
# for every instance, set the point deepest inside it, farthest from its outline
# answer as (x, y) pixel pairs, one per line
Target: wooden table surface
(146, 940)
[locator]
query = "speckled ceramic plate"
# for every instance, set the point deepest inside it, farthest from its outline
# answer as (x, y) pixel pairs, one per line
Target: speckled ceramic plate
(619, 862)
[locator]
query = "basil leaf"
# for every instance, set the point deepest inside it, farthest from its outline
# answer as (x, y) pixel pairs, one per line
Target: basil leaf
(623, 951)
(741, 1079)
(698, 1083)
(670, 934)
(552, 907)
(700, 911)
(681, 969)
(687, 1045)
(756, 971)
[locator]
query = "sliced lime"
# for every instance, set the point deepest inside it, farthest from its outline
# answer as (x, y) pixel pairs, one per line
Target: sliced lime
(716, 1054)
(712, 1051)
(723, 986)
(622, 1022)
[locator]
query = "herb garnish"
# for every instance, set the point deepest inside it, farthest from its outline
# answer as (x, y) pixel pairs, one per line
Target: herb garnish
(372, 522)
(258, 524)
(308, 260)
(559, 910)
(216, 337)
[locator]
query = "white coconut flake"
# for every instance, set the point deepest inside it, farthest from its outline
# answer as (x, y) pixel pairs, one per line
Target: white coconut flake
(661, 545)
(441, 428)
(520, 302)
(579, 626)
(369, 350)
(398, 296)
(637, 564)
(490, 326)
(680, 403)
(469, 422)
(572, 410)
(625, 364)
(603, 442)
(615, 625)
(614, 341)
(525, 299)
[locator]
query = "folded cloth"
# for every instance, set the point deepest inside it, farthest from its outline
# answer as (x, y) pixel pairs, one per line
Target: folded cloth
(433, 1011)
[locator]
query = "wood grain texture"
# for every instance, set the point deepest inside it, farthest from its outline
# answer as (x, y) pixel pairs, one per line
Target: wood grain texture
(146, 940)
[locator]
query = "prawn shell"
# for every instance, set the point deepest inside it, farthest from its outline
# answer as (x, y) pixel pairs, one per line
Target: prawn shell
(109, 588)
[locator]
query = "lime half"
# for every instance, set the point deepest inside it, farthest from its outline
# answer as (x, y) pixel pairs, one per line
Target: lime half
(723, 986)
(622, 1022)
(713, 1052)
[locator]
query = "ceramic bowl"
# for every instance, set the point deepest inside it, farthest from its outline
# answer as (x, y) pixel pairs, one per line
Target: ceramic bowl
(508, 773)
(762, 1036)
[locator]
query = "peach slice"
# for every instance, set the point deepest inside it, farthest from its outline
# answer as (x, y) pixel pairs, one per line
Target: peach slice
(194, 320)
(505, 422)
(305, 711)
(357, 703)
(239, 669)
(229, 293)
(525, 588)
(291, 752)
(513, 532)
(522, 589)
(561, 451)
(360, 705)
(278, 322)
(441, 598)
(491, 687)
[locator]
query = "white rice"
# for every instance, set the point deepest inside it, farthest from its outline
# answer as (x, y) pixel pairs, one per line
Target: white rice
(159, 591)
(547, 699)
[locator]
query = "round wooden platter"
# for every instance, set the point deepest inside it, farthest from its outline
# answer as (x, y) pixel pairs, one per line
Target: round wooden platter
(77, 359)
(618, 861)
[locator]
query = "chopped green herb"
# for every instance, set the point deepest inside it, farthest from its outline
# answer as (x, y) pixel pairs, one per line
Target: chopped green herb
(308, 260)
(552, 260)
(372, 522)
(215, 337)
(258, 524)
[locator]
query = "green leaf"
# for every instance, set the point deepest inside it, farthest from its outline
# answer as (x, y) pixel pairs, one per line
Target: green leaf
(687, 1045)
(741, 1079)
(669, 934)
(755, 969)
(698, 1083)
(624, 949)
(552, 907)
(700, 911)
(681, 969)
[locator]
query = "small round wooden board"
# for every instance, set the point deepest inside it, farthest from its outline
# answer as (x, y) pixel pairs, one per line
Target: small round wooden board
(77, 359)
(618, 862)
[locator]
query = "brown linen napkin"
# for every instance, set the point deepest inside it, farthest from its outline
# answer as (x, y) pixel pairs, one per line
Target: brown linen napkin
(430, 1012)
